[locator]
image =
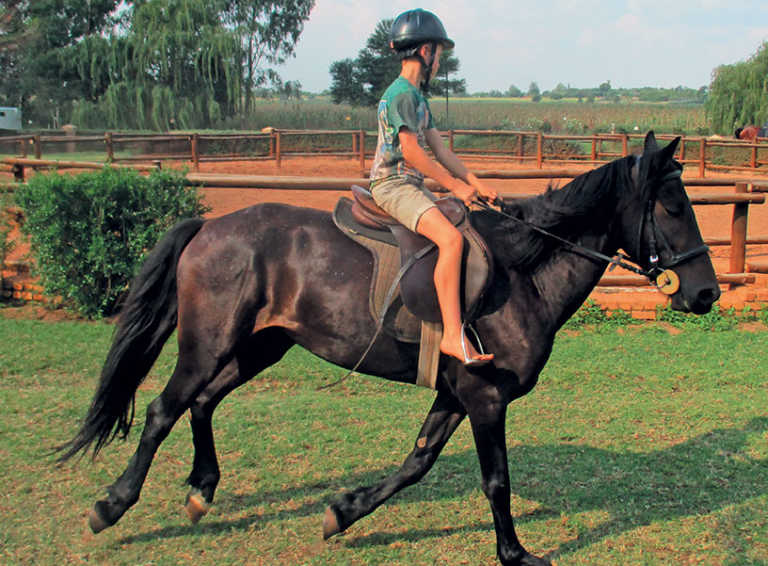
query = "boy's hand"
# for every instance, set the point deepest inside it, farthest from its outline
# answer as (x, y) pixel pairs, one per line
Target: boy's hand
(463, 191)
(486, 193)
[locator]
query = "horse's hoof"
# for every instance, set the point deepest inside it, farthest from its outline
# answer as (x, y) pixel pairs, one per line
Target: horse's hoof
(96, 522)
(196, 507)
(330, 524)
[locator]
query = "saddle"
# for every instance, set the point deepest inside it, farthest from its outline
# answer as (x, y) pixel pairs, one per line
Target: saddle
(365, 222)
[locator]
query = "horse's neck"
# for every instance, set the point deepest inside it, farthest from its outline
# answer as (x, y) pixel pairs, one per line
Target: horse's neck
(565, 282)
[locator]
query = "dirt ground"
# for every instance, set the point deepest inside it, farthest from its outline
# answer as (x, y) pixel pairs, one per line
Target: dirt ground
(715, 221)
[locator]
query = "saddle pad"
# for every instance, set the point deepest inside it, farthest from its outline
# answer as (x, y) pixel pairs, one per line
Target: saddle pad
(399, 322)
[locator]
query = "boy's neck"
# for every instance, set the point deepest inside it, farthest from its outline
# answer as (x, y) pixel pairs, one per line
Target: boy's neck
(411, 71)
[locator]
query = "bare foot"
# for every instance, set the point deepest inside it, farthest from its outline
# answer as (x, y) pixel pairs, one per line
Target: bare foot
(463, 350)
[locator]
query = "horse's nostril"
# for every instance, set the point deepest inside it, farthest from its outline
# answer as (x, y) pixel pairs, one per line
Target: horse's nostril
(708, 295)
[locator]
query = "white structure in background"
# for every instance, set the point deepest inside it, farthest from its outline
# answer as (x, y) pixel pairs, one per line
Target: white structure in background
(10, 118)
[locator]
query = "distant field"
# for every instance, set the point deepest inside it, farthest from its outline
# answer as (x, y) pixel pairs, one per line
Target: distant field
(493, 113)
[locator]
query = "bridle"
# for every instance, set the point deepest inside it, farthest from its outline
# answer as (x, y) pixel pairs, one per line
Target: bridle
(659, 273)
(665, 278)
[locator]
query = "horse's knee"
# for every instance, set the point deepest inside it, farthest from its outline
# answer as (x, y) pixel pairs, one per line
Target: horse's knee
(495, 487)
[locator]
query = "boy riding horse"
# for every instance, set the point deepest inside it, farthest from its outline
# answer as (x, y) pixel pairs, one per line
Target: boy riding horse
(401, 163)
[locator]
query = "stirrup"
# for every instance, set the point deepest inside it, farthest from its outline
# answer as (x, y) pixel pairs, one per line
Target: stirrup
(472, 362)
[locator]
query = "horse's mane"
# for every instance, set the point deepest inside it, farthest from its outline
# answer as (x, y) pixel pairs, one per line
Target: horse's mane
(587, 202)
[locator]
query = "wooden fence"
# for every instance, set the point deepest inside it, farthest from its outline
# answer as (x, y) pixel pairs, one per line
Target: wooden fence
(519, 146)
(745, 192)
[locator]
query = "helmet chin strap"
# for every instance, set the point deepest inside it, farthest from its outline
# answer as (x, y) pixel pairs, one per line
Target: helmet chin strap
(426, 67)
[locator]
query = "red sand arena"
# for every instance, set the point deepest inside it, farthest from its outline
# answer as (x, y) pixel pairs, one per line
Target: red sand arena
(641, 302)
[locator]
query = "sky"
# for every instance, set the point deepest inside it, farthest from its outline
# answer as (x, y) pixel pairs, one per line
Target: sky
(580, 43)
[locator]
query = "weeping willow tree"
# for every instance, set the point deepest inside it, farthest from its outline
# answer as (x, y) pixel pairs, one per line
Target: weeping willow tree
(173, 65)
(184, 63)
(738, 94)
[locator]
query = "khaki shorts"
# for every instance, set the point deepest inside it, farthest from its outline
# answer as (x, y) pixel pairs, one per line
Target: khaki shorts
(403, 200)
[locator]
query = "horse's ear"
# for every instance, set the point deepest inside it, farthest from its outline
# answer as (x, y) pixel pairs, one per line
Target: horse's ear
(650, 143)
(668, 153)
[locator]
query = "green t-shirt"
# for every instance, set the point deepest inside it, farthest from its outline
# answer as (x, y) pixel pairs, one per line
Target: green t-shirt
(401, 105)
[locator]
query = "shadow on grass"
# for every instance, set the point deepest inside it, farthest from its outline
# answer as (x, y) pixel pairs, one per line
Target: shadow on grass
(696, 477)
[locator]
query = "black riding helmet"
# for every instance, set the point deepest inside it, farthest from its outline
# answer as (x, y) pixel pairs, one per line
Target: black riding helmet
(414, 28)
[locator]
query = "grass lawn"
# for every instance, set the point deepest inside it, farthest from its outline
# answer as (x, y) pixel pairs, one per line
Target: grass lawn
(638, 446)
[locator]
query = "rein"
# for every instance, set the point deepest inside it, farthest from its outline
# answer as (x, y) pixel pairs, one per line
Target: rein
(617, 260)
(666, 280)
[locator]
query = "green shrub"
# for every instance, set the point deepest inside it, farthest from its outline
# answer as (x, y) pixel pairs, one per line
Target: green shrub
(90, 232)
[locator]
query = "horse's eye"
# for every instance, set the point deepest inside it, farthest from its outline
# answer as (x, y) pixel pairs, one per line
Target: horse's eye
(673, 208)
(671, 201)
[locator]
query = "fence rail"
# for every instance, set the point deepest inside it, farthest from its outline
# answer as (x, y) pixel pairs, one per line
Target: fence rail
(745, 192)
(517, 146)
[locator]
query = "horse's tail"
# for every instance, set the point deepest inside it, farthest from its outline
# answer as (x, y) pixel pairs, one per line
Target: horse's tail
(147, 319)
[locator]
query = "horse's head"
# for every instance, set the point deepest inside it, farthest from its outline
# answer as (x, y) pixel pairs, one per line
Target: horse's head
(660, 232)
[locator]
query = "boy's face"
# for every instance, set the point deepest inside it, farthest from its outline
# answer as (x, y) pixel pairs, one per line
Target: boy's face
(436, 64)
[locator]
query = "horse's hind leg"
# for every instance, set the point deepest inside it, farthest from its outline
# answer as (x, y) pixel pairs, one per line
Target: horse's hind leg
(199, 361)
(258, 353)
(443, 418)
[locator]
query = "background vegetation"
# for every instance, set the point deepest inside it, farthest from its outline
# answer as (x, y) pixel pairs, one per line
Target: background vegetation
(640, 445)
(739, 93)
(90, 232)
(144, 64)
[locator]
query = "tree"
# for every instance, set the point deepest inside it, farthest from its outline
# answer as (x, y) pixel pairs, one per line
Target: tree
(738, 94)
(35, 39)
(366, 77)
(268, 31)
(362, 81)
(177, 64)
(514, 92)
(345, 86)
(534, 92)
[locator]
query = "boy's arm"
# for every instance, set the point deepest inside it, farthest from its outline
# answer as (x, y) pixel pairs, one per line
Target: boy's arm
(415, 155)
(451, 162)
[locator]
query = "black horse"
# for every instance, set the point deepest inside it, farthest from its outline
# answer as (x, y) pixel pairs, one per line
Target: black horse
(242, 289)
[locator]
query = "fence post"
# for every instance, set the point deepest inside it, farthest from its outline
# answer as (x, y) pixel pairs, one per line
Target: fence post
(194, 149)
(520, 147)
(23, 147)
(110, 147)
(361, 148)
(739, 232)
(38, 147)
(539, 150)
(702, 157)
(271, 145)
(753, 161)
(682, 149)
(278, 157)
(593, 155)
(624, 145)
(450, 140)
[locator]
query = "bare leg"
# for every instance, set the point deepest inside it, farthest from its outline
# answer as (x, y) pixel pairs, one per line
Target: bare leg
(435, 226)
(442, 420)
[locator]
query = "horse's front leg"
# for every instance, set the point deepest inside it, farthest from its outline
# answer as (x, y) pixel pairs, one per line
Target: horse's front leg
(443, 418)
(488, 423)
